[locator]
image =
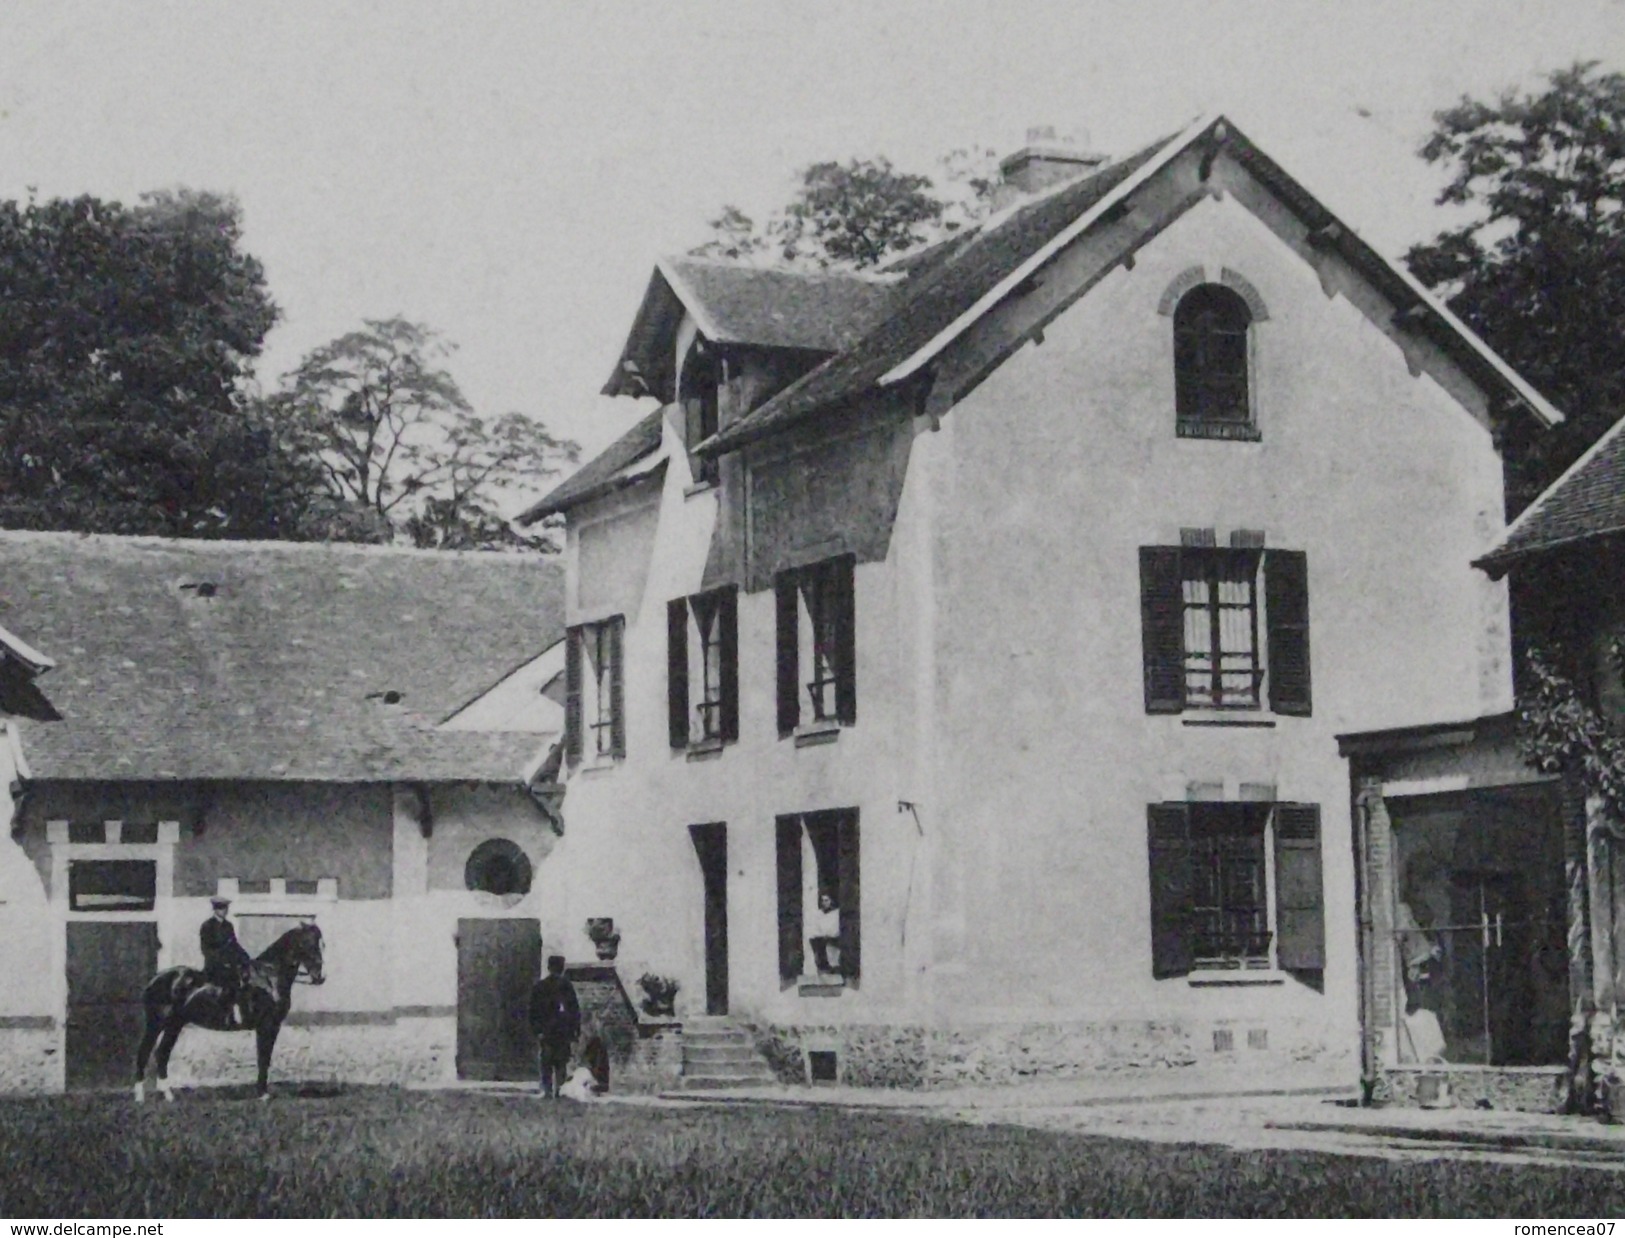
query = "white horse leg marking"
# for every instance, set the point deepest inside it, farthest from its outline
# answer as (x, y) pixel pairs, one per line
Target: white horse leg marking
(164, 1090)
(140, 1092)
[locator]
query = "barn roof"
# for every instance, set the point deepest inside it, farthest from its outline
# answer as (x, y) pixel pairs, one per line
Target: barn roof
(1586, 502)
(271, 660)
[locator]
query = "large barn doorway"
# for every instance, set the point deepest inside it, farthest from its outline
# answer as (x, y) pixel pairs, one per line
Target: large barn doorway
(498, 962)
(109, 963)
(711, 846)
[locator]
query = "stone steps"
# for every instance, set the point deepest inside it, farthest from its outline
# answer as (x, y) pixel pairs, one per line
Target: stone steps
(719, 1054)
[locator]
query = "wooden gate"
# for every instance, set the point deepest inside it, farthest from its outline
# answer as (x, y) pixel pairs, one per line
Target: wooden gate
(498, 962)
(109, 963)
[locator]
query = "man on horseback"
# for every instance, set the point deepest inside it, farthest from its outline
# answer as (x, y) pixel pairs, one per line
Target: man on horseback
(225, 962)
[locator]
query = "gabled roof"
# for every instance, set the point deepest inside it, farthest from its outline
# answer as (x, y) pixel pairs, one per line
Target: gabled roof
(944, 297)
(1586, 502)
(269, 660)
(766, 307)
(608, 470)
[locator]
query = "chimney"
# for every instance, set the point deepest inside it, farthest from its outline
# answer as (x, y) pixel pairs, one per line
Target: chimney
(1046, 160)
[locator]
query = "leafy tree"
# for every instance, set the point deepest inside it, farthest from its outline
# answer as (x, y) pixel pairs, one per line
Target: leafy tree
(1538, 269)
(394, 438)
(126, 333)
(858, 214)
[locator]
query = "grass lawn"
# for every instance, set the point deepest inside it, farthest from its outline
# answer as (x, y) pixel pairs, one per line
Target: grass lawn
(381, 1153)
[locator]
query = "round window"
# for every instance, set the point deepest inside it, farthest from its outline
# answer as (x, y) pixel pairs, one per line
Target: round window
(498, 866)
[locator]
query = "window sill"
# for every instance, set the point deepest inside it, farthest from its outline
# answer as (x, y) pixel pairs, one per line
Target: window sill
(822, 986)
(1223, 978)
(1222, 430)
(1243, 718)
(704, 750)
(817, 733)
(699, 487)
(601, 765)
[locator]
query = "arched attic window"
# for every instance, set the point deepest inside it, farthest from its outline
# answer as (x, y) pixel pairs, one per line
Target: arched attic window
(699, 396)
(1212, 397)
(498, 866)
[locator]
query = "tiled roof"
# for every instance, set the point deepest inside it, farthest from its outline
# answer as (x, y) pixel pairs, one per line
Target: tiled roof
(821, 311)
(278, 671)
(1587, 502)
(946, 290)
(602, 472)
(767, 307)
(936, 294)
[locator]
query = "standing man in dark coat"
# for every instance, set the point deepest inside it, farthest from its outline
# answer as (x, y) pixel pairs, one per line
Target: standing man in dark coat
(555, 1019)
(225, 962)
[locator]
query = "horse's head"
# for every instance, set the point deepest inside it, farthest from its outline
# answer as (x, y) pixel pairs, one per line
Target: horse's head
(307, 951)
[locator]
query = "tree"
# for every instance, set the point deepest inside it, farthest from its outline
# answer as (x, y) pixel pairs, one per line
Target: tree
(394, 437)
(126, 333)
(1539, 268)
(857, 214)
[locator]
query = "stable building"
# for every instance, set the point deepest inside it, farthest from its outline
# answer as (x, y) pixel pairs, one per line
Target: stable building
(350, 735)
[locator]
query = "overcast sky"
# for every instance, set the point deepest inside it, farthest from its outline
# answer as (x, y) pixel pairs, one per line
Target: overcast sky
(508, 172)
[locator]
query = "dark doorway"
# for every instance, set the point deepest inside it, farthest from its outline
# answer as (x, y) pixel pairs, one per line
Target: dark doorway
(1480, 925)
(109, 963)
(498, 962)
(711, 845)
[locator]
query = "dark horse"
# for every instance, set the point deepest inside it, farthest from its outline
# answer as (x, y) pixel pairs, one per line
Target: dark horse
(181, 996)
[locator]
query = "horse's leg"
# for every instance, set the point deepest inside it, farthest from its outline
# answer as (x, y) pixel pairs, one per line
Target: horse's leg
(148, 1039)
(265, 1041)
(166, 1045)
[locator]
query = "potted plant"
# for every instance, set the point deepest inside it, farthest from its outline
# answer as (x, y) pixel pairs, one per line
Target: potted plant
(601, 932)
(659, 995)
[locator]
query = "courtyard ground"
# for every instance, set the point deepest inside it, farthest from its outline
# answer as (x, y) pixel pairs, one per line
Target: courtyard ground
(388, 1153)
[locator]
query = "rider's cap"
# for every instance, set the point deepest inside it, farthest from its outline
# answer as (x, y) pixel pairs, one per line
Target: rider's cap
(220, 900)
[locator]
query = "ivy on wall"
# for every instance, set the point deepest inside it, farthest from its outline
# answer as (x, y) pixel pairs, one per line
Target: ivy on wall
(1560, 730)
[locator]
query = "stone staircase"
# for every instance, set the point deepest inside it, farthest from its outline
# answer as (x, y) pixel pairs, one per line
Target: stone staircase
(719, 1054)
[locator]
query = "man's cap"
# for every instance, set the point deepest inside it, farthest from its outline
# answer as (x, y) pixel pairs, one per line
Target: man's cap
(555, 960)
(219, 900)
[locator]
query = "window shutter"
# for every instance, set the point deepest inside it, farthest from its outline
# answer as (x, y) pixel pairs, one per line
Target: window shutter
(728, 623)
(572, 694)
(1300, 931)
(790, 895)
(1162, 629)
(846, 871)
(784, 591)
(617, 686)
(1286, 603)
(677, 671)
(1170, 852)
(844, 591)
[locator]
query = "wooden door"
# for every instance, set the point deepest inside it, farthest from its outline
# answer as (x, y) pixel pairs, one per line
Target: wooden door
(498, 962)
(109, 964)
(711, 845)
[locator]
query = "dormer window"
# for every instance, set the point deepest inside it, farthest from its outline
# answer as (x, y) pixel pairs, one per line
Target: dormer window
(701, 381)
(1212, 395)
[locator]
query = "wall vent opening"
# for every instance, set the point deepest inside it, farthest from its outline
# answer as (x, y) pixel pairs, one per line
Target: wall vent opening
(822, 1066)
(1258, 1038)
(1224, 1040)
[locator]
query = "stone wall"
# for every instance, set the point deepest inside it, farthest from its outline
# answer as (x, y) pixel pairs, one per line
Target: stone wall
(1529, 1089)
(655, 1060)
(934, 1057)
(30, 1061)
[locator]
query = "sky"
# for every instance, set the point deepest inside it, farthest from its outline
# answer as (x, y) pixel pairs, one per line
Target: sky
(509, 172)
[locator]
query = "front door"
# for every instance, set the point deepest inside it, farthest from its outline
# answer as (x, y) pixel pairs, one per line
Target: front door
(498, 962)
(109, 963)
(711, 845)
